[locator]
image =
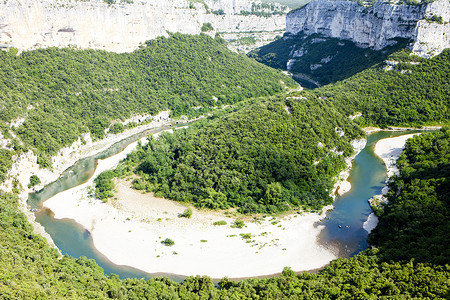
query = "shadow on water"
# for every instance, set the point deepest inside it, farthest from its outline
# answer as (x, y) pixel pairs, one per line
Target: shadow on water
(344, 224)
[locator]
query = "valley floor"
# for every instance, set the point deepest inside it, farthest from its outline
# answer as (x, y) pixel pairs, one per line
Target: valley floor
(129, 230)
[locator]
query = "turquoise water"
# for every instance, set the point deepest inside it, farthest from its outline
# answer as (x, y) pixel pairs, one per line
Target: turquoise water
(367, 176)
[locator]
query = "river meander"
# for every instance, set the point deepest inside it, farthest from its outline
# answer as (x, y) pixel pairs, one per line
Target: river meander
(343, 225)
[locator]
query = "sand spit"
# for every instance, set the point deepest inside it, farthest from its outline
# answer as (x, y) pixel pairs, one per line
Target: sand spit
(389, 150)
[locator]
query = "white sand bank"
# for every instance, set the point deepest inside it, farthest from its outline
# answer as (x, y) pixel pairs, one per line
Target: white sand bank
(370, 223)
(389, 150)
(129, 231)
(342, 185)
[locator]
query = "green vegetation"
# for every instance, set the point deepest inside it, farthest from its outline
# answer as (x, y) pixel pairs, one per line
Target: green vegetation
(238, 224)
(247, 40)
(5, 163)
(270, 155)
(264, 10)
(415, 224)
(104, 185)
(219, 223)
(116, 128)
(435, 18)
(325, 60)
(415, 93)
(34, 180)
(168, 242)
(186, 214)
(262, 155)
(31, 269)
(62, 93)
(207, 27)
(218, 12)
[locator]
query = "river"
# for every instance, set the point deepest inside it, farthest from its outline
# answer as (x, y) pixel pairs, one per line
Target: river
(343, 225)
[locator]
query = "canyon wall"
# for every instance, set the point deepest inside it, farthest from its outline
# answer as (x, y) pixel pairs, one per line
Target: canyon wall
(123, 26)
(378, 25)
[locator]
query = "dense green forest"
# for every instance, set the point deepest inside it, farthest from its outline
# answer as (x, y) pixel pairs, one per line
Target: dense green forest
(272, 154)
(415, 224)
(415, 93)
(31, 269)
(62, 93)
(322, 59)
(267, 154)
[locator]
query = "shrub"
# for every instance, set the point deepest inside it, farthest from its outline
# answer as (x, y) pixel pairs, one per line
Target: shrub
(239, 223)
(220, 223)
(34, 180)
(207, 27)
(168, 242)
(186, 214)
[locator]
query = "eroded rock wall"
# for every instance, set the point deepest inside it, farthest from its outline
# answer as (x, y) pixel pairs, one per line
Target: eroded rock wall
(376, 26)
(121, 27)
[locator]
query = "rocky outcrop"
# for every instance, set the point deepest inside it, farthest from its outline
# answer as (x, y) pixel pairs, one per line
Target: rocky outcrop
(376, 26)
(122, 27)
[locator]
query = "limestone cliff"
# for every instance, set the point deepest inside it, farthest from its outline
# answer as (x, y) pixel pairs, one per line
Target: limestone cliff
(122, 27)
(376, 26)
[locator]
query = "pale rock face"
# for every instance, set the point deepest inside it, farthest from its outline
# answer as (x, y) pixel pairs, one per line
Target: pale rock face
(375, 26)
(30, 24)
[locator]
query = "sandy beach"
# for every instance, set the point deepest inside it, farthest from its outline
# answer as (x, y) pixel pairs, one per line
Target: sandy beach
(389, 150)
(129, 230)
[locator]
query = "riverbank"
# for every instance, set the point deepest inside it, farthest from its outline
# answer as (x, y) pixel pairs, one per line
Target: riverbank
(129, 230)
(26, 164)
(388, 150)
(342, 184)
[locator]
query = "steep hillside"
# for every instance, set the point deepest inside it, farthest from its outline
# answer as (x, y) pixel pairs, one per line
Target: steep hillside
(316, 60)
(415, 224)
(327, 41)
(50, 97)
(270, 155)
(376, 25)
(405, 90)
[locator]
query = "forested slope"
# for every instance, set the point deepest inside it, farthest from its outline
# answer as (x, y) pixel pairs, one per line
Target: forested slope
(30, 269)
(269, 155)
(415, 92)
(390, 87)
(320, 58)
(62, 93)
(415, 224)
